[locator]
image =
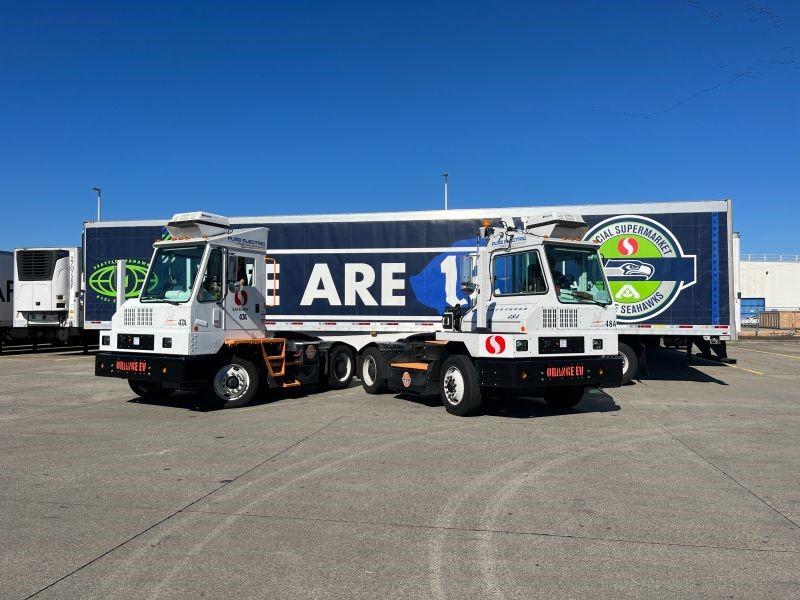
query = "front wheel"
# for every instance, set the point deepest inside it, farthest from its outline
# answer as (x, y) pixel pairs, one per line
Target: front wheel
(235, 383)
(149, 390)
(565, 397)
(341, 367)
(373, 365)
(459, 389)
(630, 362)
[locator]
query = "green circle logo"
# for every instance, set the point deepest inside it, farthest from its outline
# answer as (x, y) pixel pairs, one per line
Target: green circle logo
(103, 279)
(644, 263)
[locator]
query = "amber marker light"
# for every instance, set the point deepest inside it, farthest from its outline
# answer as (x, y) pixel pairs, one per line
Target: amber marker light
(523, 375)
(486, 222)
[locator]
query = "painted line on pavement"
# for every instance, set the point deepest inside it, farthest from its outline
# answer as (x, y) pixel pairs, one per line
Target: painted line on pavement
(794, 356)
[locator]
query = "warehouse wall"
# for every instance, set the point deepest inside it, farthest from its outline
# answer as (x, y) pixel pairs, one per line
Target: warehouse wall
(777, 282)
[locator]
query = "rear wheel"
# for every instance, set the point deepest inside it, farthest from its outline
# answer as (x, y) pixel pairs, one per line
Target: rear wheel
(373, 365)
(565, 397)
(235, 383)
(630, 362)
(341, 367)
(459, 389)
(149, 390)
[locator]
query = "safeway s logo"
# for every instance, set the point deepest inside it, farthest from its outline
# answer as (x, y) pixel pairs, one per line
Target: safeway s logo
(240, 297)
(628, 246)
(495, 344)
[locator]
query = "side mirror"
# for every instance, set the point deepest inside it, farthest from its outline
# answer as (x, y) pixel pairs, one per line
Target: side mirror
(465, 268)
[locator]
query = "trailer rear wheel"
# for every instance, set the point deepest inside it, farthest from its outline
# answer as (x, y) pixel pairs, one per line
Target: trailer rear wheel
(341, 367)
(565, 397)
(459, 389)
(630, 362)
(373, 365)
(235, 383)
(149, 390)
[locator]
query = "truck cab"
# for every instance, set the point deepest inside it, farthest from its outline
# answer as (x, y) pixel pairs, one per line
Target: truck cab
(198, 321)
(539, 319)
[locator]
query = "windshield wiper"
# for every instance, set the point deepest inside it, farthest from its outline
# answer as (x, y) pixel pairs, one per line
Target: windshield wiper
(154, 299)
(586, 297)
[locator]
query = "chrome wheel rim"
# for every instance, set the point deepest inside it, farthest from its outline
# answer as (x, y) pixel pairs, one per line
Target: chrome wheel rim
(625, 363)
(453, 385)
(231, 382)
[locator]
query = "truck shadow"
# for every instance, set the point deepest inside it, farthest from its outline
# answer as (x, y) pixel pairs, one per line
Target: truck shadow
(200, 402)
(664, 364)
(527, 407)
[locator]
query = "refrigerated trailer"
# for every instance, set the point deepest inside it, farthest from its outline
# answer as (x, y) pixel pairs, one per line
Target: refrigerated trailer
(364, 278)
(48, 293)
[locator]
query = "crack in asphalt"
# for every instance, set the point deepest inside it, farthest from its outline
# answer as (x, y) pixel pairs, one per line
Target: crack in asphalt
(713, 465)
(184, 508)
(511, 532)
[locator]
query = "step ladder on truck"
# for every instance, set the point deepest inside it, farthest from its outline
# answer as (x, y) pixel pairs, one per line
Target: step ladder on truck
(539, 319)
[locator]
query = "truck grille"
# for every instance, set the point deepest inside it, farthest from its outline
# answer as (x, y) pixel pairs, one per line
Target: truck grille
(137, 316)
(559, 318)
(37, 265)
(567, 317)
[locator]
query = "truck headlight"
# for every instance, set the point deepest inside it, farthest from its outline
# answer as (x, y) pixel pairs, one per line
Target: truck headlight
(522, 345)
(166, 342)
(105, 340)
(597, 344)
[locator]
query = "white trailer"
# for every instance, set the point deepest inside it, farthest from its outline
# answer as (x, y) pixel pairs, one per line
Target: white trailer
(537, 315)
(48, 293)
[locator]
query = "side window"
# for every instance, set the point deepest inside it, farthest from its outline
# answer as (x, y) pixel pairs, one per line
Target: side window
(211, 285)
(243, 272)
(519, 273)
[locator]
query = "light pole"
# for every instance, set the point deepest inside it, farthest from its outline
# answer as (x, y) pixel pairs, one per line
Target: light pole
(99, 200)
(445, 190)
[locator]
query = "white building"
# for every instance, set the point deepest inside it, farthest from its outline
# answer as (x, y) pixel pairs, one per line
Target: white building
(775, 278)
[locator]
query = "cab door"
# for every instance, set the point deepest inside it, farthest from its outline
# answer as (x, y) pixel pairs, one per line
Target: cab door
(244, 300)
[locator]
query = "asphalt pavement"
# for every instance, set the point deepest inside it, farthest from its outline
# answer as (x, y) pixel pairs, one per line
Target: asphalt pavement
(685, 484)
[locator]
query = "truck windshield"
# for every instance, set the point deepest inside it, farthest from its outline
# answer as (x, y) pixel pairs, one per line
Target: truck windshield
(577, 275)
(172, 275)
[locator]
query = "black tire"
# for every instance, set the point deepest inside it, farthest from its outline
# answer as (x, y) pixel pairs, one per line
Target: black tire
(149, 390)
(565, 397)
(373, 365)
(458, 388)
(235, 383)
(341, 367)
(630, 362)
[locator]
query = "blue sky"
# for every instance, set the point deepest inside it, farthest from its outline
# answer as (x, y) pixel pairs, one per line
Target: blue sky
(305, 107)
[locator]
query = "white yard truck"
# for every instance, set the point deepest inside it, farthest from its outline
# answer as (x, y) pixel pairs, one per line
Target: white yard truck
(539, 319)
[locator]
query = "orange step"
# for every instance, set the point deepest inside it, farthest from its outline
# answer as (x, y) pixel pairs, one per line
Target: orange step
(412, 366)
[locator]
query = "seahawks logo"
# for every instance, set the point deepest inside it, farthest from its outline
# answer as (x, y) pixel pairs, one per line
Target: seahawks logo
(631, 269)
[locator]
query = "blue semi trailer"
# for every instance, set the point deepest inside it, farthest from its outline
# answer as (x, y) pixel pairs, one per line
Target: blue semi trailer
(357, 279)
